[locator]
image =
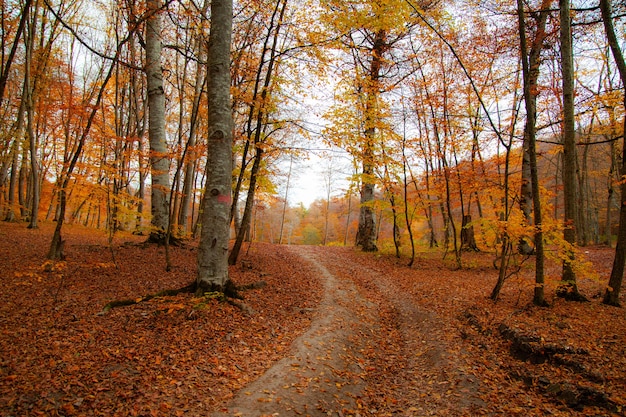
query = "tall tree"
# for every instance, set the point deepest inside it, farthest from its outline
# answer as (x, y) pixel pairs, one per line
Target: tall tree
(611, 295)
(215, 214)
(159, 160)
(257, 123)
(366, 233)
(30, 115)
(8, 61)
(568, 288)
(530, 68)
(531, 60)
(191, 159)
(367, 33)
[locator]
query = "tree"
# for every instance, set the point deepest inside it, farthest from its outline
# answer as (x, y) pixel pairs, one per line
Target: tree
(367, 33)
(215, 213)
(191, 160)
(611, 295)
(530, 69)
(73, 153)
(6, 63)
(159, 161)
(257, 122)
(568, 288)
(530, 65)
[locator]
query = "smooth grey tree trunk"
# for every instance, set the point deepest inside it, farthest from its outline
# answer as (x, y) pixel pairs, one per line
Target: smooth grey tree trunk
(159, 160)
(13, 213)
(30, 129)
(215, 214)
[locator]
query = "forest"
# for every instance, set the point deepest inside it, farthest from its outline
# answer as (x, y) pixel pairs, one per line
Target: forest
(420, 112)
(487, 135)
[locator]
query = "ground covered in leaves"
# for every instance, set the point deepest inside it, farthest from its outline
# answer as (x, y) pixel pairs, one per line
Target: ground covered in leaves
(337, 331)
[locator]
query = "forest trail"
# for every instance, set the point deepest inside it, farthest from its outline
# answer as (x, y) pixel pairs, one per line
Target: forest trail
(335, 332)
(341, 358)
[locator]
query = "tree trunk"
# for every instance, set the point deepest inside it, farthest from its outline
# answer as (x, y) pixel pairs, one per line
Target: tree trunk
(530, 68)
(190, 167)
(30, 129)
(6, 67)
(608, 230)
(468, 237)
(366, 234)
(568, 288)
(407, 218)
(215, 214)
(159, 162)
(611, 295)
(13, 213)
(257, 114)
(285, 202)
(247, 211)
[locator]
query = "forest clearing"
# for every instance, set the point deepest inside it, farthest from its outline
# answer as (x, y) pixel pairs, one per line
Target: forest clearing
(339, 332)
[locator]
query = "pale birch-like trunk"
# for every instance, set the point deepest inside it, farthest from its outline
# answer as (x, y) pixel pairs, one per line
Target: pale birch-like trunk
(30, 130)
(215, 214)
(159, 161)
(13, 213)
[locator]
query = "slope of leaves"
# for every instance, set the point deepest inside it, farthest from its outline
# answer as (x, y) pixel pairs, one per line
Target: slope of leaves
(60, 355)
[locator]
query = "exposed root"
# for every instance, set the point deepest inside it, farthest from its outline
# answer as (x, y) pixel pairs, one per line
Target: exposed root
(230, 294)
(191, 288)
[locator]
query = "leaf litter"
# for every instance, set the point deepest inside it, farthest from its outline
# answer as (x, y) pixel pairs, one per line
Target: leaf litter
(337, 331)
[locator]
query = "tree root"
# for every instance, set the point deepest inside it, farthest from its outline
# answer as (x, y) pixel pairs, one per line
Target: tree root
(160, 238)
(191, 288)
(229, 294)
(574, 396)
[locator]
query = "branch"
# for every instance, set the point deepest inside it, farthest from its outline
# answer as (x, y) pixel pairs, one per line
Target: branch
(465, 71)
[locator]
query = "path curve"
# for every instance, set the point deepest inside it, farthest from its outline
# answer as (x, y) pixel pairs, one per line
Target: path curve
(311, 380)
(371, 350)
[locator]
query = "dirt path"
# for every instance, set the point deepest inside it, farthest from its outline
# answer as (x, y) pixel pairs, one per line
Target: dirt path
(370, 351)
(318, 377)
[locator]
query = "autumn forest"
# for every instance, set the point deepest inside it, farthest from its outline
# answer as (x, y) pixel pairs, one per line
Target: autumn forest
(478, 142)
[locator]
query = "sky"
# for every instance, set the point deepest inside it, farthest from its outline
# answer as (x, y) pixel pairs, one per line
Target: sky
(310, 177)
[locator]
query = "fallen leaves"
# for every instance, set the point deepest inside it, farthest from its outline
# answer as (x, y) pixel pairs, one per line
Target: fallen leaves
(165, 356)
(433, 347)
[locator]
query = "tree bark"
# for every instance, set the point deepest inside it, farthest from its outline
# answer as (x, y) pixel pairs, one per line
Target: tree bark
(530, 68)
(215, 214)
(159, 162)
(611, 295)
(568, 288)
(30, 129)
(13, 213)
(366, 233)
